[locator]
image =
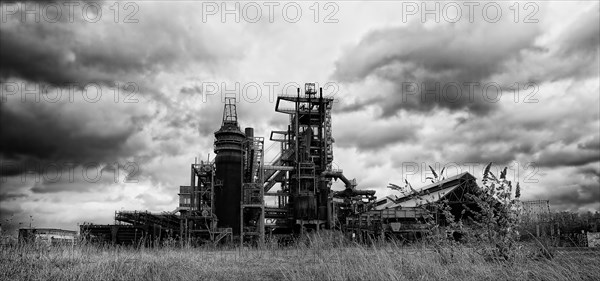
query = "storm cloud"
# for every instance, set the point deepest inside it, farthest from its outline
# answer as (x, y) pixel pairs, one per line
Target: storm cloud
(394, 104)
(81, 52)
(456, 60)
(462, 66)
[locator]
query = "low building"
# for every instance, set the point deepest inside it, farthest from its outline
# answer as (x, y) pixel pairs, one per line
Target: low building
(49, 236)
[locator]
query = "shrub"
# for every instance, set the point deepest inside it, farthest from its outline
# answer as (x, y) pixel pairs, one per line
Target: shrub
(494, 218)
(497, 219)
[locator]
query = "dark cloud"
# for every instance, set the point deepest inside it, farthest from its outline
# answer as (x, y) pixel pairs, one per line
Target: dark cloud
(577, 195)
(433, 67)
(193, 90)
(438, 56)
(38, 134)
(81, 52)
(30, 54)
(566, 157)
(369, 135)
(501, 155)
(590, 172)
(79, 179)
(364, 138)
(570, 176)
(11, 196)
(592, 144)
(179, 121)
(463, 139)
(55, 188)
(582, 38)
(575, 54)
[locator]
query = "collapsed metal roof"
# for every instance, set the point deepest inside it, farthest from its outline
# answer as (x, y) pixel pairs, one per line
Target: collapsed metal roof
(453, 188)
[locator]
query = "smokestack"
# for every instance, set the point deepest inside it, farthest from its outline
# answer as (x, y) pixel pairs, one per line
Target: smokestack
(249, 132)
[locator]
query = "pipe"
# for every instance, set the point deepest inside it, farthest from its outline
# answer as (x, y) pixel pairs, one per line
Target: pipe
(339, 175)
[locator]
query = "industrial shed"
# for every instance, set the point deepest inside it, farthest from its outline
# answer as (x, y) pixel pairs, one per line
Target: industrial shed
(404, 216)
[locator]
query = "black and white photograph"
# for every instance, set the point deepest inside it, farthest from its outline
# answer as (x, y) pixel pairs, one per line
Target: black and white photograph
(300, 140)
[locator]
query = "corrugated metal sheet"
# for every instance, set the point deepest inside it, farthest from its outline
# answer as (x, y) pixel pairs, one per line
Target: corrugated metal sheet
(426, 198)
(441, 183)
(389, 201)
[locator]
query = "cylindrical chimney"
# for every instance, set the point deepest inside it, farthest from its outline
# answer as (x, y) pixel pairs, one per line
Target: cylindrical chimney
(249, 132)
(228, 162)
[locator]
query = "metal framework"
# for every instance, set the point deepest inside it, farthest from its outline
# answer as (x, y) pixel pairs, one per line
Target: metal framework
(252, 211)
(536, 211)
(303, 168)
(230, 112)
(373, 225)
(198, 222)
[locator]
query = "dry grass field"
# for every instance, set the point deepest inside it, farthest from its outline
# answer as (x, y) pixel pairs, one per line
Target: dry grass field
(317, 261)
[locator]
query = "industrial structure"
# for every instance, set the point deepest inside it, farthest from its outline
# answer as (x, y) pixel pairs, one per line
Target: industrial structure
(239, 197)
(225, 200)
(404, 217)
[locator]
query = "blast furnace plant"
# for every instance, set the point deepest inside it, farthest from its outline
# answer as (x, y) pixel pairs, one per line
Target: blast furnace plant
(225, 200)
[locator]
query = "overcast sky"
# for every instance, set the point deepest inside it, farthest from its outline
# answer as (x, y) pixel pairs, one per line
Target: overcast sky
(411, 91)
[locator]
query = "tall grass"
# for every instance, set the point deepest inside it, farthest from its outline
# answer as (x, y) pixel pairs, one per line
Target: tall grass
(324, 256)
